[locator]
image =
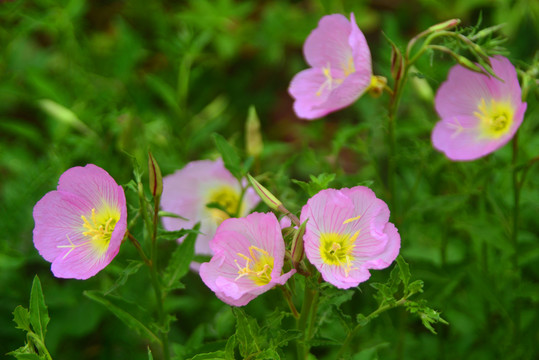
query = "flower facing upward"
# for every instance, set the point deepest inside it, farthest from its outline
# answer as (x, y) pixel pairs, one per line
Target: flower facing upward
(79, 227)
(479, 113)
(340, 71)
(189, 190)
(249, 255)
(347, 234)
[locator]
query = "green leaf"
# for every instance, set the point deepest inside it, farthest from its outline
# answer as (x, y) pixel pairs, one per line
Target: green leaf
(362, 320)
(230, 156)
(25, 356)
(247, 333)
(150, 356)
(404, 272)
(178, 264)
(171, 215)
(21, 316)
(316, 184)
(175, 235)
(127, 318)
(39, 316)
(219, 354)
(132, 268)
(229, 349)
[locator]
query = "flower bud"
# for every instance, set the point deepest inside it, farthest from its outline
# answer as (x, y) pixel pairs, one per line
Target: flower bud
(468, 64)
(422, 87)
(156, 179)
(446, 25)
(297, 244)
(253, 137)
(266, 196)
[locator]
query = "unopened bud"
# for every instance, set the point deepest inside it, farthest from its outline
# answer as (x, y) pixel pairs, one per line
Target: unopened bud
(397, 63)
(468, 64)
(422, 87)
(156, 179)
(253, 137)
(376, 88)
(446, 25)
(297, 244)
(267, 197)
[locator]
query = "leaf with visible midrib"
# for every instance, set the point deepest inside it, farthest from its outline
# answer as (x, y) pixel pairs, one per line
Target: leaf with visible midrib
(178, 264)
(39, 316)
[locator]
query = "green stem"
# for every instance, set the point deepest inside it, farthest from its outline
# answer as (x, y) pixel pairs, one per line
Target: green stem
(288, 298)
(135, 242)
(352, 334)
(308, 298)
(516, 202)
(41, 343)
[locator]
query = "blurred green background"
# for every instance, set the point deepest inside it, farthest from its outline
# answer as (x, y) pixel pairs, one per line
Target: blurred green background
(92, 81)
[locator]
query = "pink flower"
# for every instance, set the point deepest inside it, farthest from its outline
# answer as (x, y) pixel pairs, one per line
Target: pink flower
(249, 255)
(80, 226)
(189, 190)
(340, 71)
(479, 113)
(347, 234)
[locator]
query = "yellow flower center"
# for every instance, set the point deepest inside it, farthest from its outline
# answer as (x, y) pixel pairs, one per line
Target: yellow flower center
(347, 68)
(258, 266)
(336, 249)
(496, 117)
(228, 198)
(98, 231)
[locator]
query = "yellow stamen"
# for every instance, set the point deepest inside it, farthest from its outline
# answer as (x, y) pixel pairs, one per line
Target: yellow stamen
(228, 198)
(351, 219)
(337, 249)
(98, 231)
(262, 266)
(496, 117)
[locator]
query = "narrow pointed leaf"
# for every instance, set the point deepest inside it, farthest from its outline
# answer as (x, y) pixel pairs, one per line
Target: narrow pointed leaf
(178, 264)
(39, 315)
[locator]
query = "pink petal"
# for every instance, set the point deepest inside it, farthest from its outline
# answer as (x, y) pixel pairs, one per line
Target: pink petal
(461, 94)
(328, 43)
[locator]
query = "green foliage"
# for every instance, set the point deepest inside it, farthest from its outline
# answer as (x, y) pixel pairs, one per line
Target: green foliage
(102, 82)
(178, 265)
(34, 322)
(316, 184)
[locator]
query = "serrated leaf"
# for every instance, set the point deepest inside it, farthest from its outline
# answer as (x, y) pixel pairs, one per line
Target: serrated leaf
(126, 317)
(247, 333)
(316, 184)
(230, 156)
(39, 315)
(404, 269)
(362, 320)
(416, 287)
(178, 264)
(21, 316)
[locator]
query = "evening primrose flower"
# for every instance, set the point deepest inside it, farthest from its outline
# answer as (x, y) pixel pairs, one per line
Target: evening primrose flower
(189, 190)
(79, 227)
(347, 234)
(479, 113)
(340, 71)
(248, 258)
